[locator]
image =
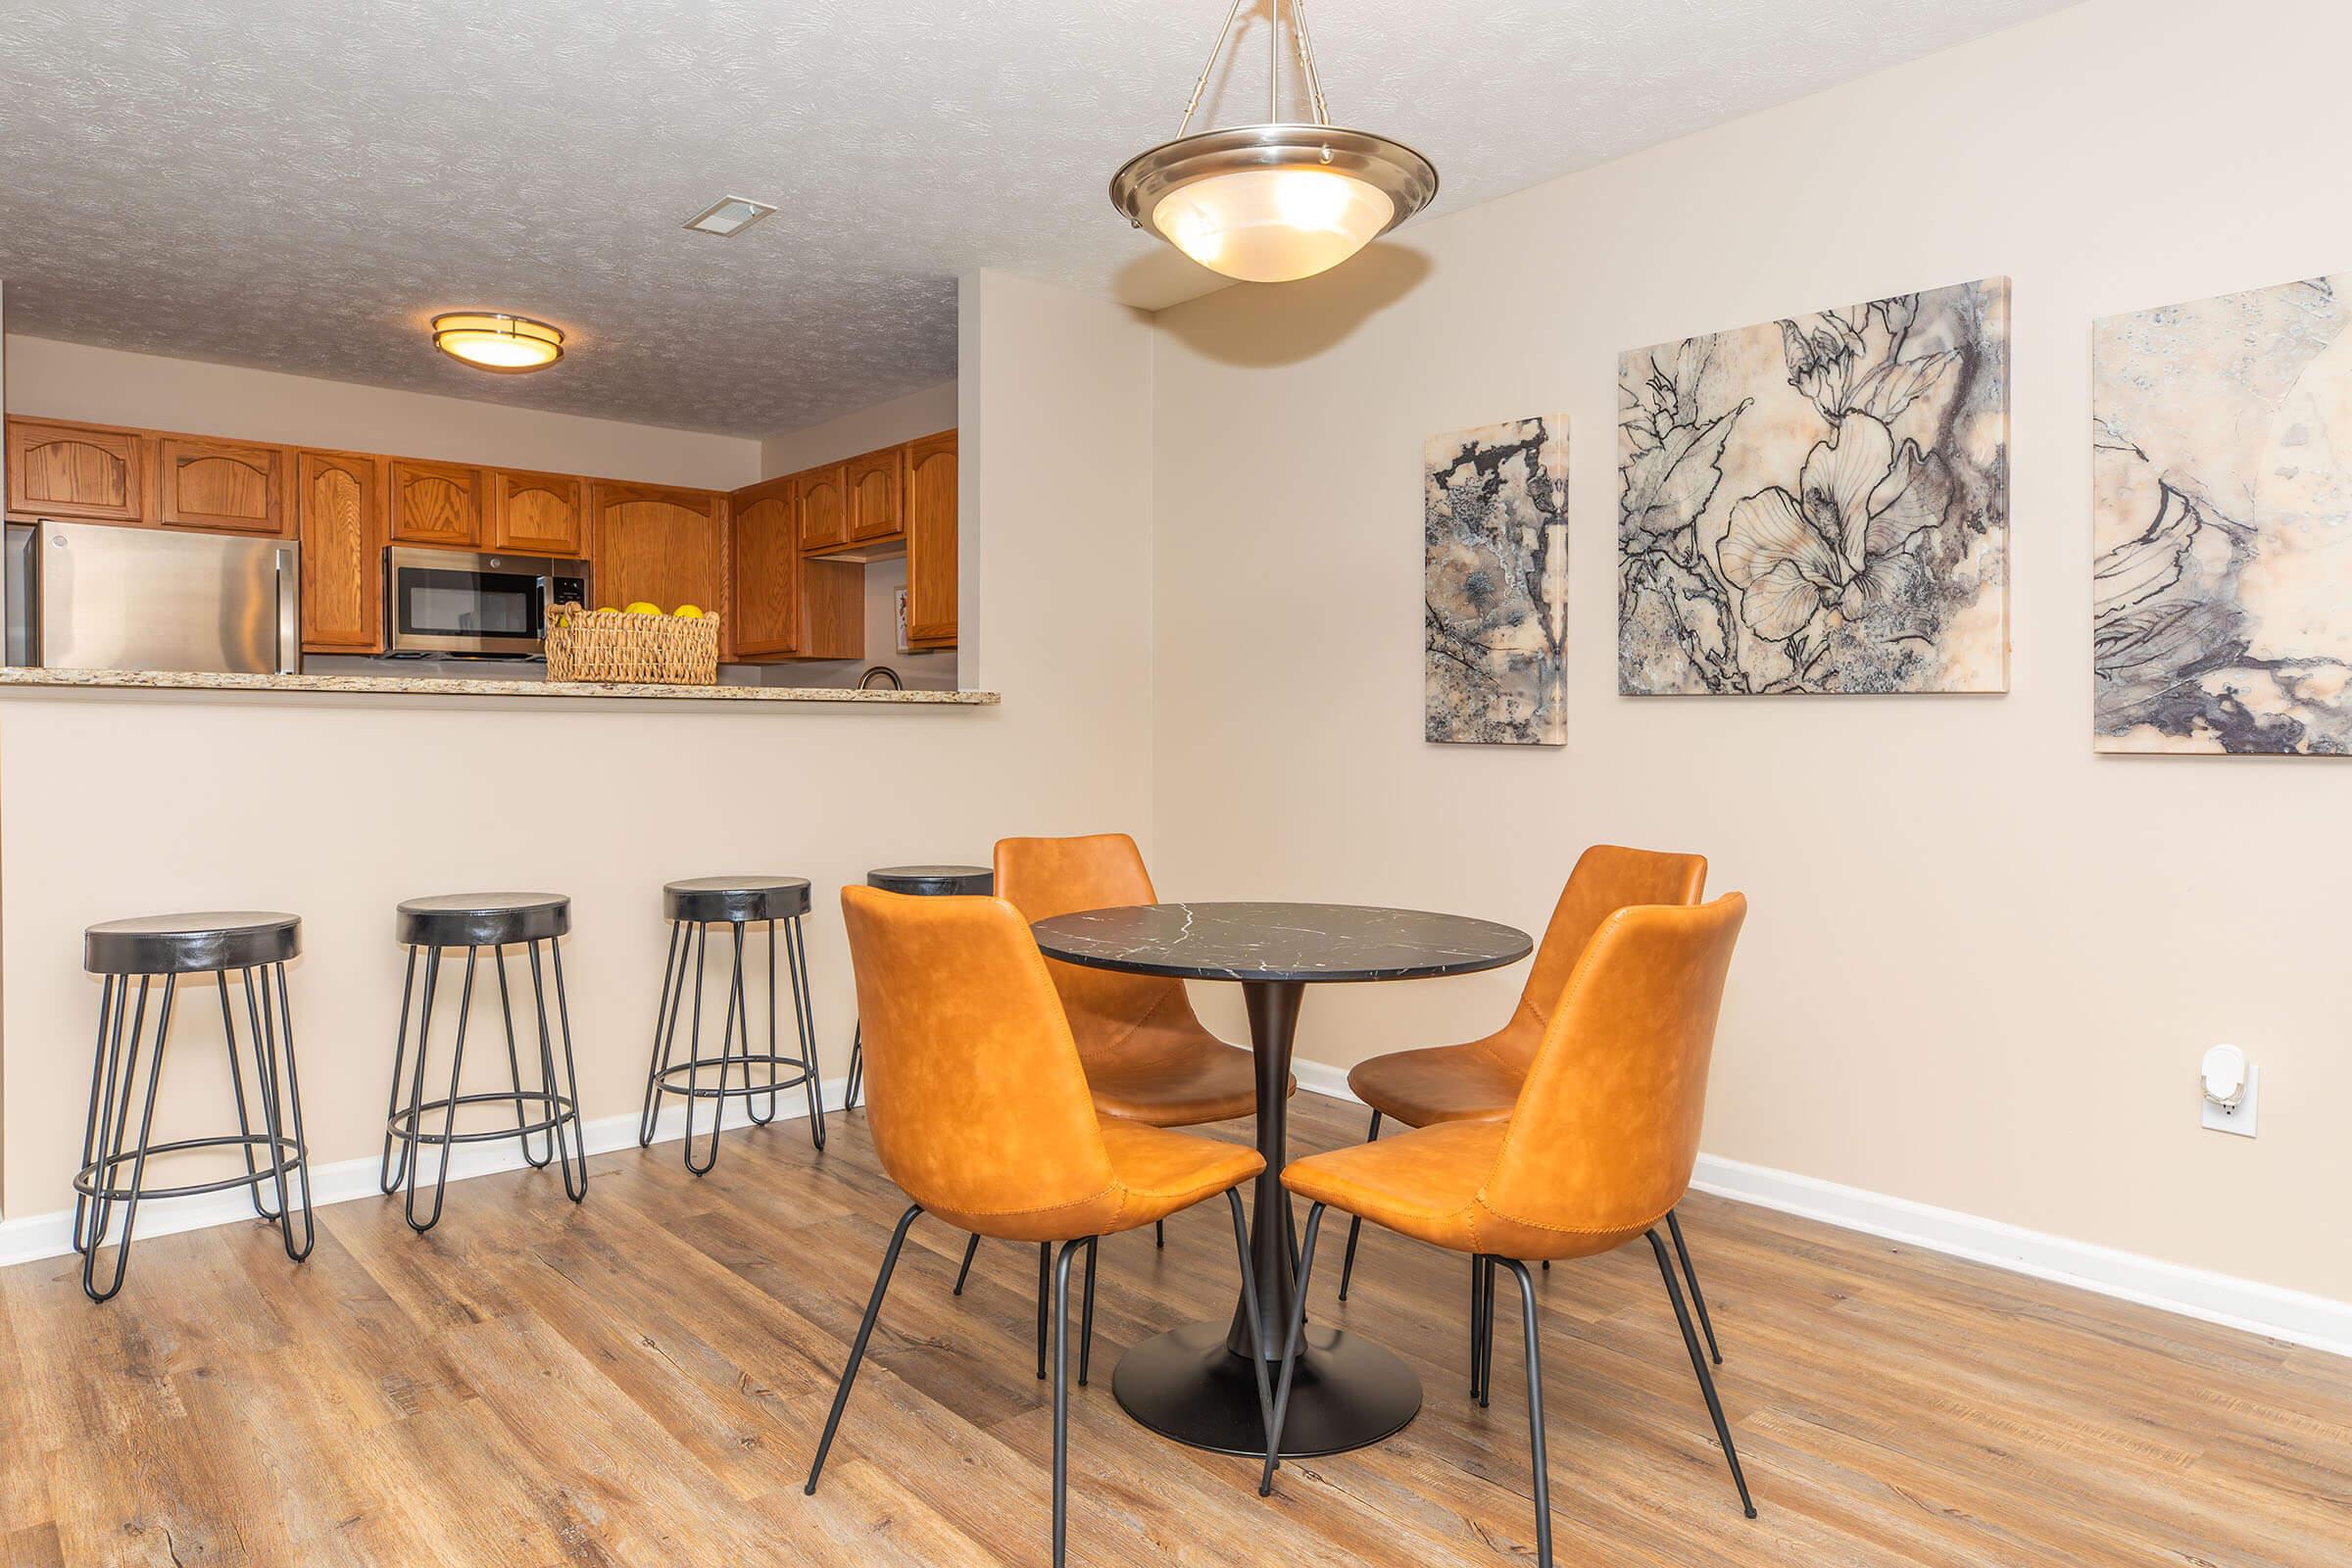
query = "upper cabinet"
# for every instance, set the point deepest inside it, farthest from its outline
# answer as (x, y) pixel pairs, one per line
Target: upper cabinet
(537, 513)
(436, 504)
(658, 544)
(763, 618)
(222, 486)
(931, 478)
(76, 471)
(339, 513)
(824, 507)
(877, 491)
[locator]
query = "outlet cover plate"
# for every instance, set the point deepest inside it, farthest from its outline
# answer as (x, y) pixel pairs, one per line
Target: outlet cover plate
(2241, 1120)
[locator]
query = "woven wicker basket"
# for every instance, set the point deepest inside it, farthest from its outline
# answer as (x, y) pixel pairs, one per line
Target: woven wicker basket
(616, 647)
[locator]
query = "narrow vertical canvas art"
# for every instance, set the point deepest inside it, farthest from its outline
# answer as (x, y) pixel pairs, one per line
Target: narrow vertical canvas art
(1495, 534)
(1819, 504)
(2221, 524)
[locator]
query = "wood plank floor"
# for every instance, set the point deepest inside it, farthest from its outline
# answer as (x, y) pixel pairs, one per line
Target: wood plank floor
(641, 1381)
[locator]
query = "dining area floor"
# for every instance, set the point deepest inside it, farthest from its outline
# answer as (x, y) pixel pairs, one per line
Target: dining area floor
(641, 1380)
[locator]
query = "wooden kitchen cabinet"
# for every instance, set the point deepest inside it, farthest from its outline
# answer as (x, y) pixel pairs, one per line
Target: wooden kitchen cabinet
(663, 546)
(90, 471)
(876, 487)
(219, 486)
(436, 504)
(931, 566)
(783, 606)
(537, 514)
(824, 507)
(339, 515)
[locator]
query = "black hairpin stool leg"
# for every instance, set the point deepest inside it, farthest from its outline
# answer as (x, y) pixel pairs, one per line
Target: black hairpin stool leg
(414, 1117)
(1355, 1222)
(665, 1032)
(278, 1061)
(563, 1106)
(1698, 1364)
(390, 1174)
(803, 1014)
(1674, 1225)
(522, 1134)
(122, 1079)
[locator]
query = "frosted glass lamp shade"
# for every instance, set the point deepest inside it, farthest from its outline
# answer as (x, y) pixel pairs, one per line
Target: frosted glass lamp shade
(1272, 226)
(490, 340)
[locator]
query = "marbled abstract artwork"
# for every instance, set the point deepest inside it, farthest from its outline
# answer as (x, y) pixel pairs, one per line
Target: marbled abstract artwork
(2221, 524)
(1494, 530)
(1819, 504)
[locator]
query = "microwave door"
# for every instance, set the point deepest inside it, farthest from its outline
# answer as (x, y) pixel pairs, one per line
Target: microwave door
(450, 601)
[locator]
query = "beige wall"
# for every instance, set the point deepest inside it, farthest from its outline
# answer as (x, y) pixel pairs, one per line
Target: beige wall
(923, 412)
(138, 804)
(1983, 962)
(72, 381)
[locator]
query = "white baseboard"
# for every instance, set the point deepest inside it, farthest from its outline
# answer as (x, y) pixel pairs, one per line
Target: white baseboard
(39, 1236)
(2223, 1298)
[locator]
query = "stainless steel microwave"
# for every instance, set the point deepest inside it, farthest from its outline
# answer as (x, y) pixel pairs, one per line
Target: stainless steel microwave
(488, 607)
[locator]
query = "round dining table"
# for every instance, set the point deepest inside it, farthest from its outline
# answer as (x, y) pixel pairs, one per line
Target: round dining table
(1196, 1383)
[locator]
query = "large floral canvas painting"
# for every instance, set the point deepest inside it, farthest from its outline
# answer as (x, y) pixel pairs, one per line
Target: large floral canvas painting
(1494, 533)
(2221, 524)
(1820, 503)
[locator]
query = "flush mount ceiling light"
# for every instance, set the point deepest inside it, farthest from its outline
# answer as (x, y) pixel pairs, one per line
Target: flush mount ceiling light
(728, 216)
(491, 340)
(1271, 202)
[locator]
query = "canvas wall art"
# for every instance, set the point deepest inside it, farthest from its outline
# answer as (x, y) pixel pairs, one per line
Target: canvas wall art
(1820, 503)
(2221, 524)
(1494, 533)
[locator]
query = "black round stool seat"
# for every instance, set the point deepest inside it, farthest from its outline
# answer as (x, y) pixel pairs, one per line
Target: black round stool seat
(483, 919)
(190, 944)
(706, 899)
(933, 881)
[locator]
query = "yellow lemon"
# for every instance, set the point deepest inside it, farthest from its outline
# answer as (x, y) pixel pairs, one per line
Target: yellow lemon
(688, 613)
(641, 608)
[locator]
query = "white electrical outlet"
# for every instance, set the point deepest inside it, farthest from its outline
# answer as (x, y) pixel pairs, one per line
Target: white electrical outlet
(2239, 1120)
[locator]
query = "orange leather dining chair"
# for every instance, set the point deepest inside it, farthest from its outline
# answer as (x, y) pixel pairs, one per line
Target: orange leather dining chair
(1596, 1150)
(1480, 1080)
(979, 1111)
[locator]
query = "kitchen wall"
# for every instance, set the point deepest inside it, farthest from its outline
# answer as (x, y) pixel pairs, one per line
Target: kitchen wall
(925, 412)
(1982, 962)
(122, 803)
(72, 381)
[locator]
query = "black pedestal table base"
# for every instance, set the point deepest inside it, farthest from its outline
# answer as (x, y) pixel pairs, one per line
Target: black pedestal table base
(1347, 1393)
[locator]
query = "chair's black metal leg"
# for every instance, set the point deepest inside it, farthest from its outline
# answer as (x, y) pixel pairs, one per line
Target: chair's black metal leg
(506, 1011)
(848, 1091)
(664, 1026)
(1159, 1233)
(1477, 1324)
(1045, 1272)
(109, 1157)
(1706, 1325)
(575, 1170)
(1257, 1326)
(1698, 1364)
(1355, 1222)
(388, 1177)
(253, 1174)
(284, 1071)
(1086, 1329)
(865, 1330)
(804, 1022)
(1535, 1403)
(749, 1102)
(1486, 1313)
(970, 1246)
(449, 1113)
(113, 997)
(1290, 1352)
(1061, 1398)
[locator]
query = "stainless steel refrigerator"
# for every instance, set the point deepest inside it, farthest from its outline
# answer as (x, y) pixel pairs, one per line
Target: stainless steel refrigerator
(88, 596)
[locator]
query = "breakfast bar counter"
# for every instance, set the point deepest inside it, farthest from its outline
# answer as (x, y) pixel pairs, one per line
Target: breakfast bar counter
(452, 686)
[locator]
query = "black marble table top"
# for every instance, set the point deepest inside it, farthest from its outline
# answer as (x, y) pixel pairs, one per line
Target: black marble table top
(1280, 942)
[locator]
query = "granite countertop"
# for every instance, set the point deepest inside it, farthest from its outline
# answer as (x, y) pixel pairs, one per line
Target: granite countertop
(445, 686)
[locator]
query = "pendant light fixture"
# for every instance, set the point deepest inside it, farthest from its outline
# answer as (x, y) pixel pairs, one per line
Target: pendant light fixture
(491, 340)
(1271, 202)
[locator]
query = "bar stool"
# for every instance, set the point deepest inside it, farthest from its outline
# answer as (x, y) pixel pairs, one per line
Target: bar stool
(474, 921)
(692, 907)
(922, 882)
(254, 944)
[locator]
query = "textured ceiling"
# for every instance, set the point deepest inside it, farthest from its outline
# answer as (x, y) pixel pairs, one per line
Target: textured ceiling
(298, 184)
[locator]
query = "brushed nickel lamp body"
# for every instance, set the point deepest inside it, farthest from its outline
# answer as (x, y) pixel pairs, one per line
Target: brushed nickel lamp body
(1278, 201)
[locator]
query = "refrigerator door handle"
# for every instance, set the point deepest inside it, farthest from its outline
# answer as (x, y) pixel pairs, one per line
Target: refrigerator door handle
(289, 610)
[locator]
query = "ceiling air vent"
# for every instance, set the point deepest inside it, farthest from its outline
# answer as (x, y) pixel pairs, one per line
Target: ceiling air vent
(728, 218)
